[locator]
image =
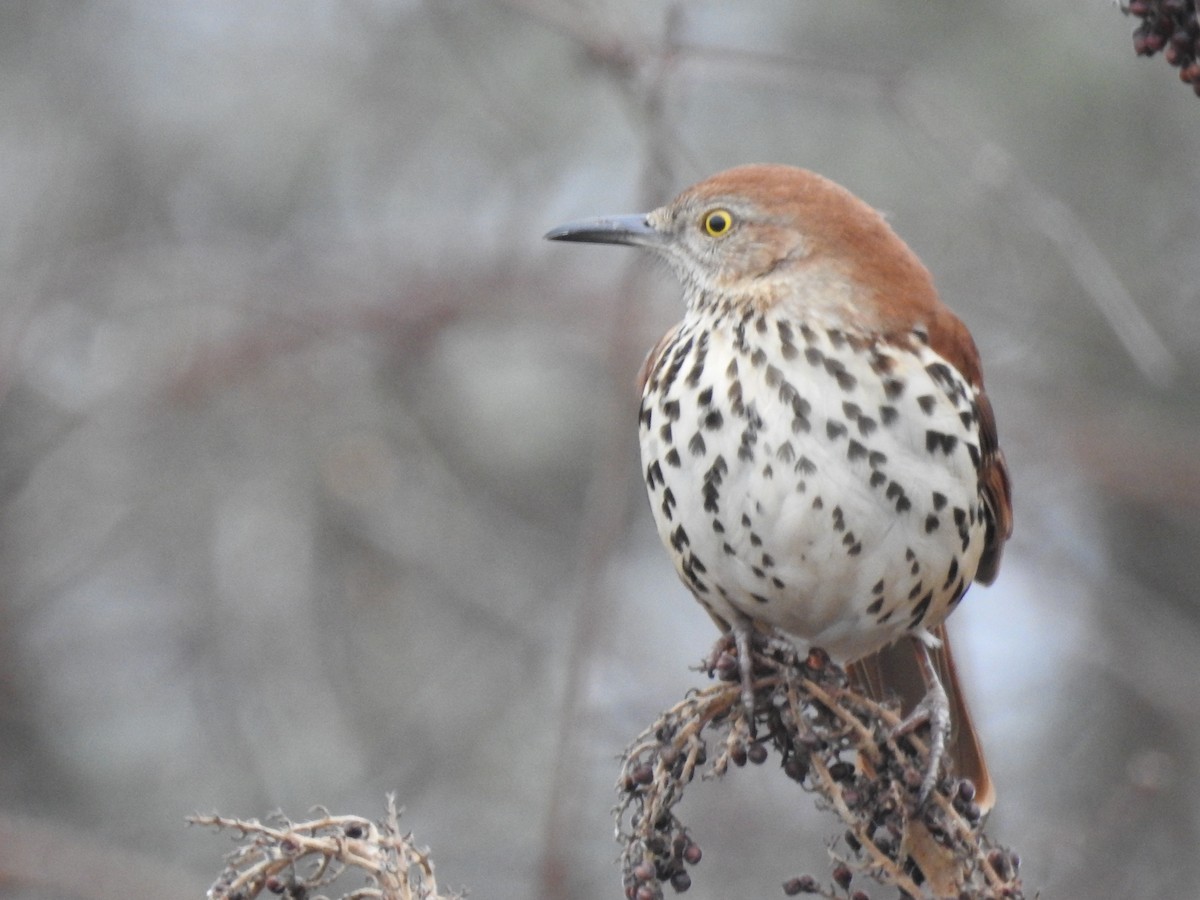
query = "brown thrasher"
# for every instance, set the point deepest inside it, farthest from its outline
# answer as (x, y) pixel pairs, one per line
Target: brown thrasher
(819, 453)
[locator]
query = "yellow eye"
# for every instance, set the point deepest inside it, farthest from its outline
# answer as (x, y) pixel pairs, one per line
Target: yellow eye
(717, 222)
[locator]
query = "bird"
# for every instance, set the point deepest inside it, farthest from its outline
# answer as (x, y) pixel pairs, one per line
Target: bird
(819, 453)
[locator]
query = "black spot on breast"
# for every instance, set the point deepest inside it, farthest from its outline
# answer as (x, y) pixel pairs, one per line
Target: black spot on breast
(654, 474)
(936, 440)
(786, 340)
(928, 403)
(892, 388)
(760, 324)
(728, 549)
(835, 429)
(664, 433)
(920, 609)
(777, 581)
(973, 452)
(839, 519)
(718, 527)
(939, 501)
(739, 336)
(876, 459)
(749, 439)
(672, 458)
(800, 410)
(894, 490)
(903, 504)
(773, 376)
(785, 452)
(877, 478)
(758, 357)
(916, 589)
(878, 589)
(951, 573)
(943, 375)
(967, 419)
(888, 414)
(852, 410)
(696, 445)
(671, 409)
(713, 420)
(818, 503)
(845, 380)
(704, 397)
(814, 356)
(668, 503)
(745, 521)
(866, 425)
(855, 549)
(760, 598)
(809, 335)
(645, 416)
(735, 392)
(855, 450)
(806, 466)
(836, 337)
(768, 471)
(875, 606)
(755, 540)
(679, 538)
(697, 370)
(931, 523)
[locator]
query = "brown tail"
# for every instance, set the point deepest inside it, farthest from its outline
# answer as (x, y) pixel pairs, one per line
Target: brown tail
(894, 671)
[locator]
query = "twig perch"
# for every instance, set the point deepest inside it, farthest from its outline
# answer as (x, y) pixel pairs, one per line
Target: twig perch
(835, 743)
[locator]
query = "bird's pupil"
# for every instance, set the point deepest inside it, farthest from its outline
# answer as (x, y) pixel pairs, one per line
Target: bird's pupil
(717, 222)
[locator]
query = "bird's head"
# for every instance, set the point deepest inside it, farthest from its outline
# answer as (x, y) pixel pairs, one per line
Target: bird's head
(768, 234)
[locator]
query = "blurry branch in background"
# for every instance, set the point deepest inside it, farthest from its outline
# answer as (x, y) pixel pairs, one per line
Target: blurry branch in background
(296, 859)
(834, 743)
(992, 168)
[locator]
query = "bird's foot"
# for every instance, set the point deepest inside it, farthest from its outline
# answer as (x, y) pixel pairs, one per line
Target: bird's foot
(739, 664)
(933, 709)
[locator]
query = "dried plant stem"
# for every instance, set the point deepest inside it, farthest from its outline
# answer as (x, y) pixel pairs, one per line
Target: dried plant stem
(295, 859)
(837, 744)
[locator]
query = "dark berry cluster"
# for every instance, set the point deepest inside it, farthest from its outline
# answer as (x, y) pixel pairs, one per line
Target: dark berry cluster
(1169, 27)
(833, 742)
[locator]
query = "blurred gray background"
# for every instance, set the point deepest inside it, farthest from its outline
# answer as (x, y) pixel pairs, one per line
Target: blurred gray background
(318, 466)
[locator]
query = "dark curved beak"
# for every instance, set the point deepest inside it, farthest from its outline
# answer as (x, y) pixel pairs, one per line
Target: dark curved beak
(635, 230)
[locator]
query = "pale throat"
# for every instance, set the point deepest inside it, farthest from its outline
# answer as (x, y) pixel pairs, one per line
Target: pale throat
(816, 291)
